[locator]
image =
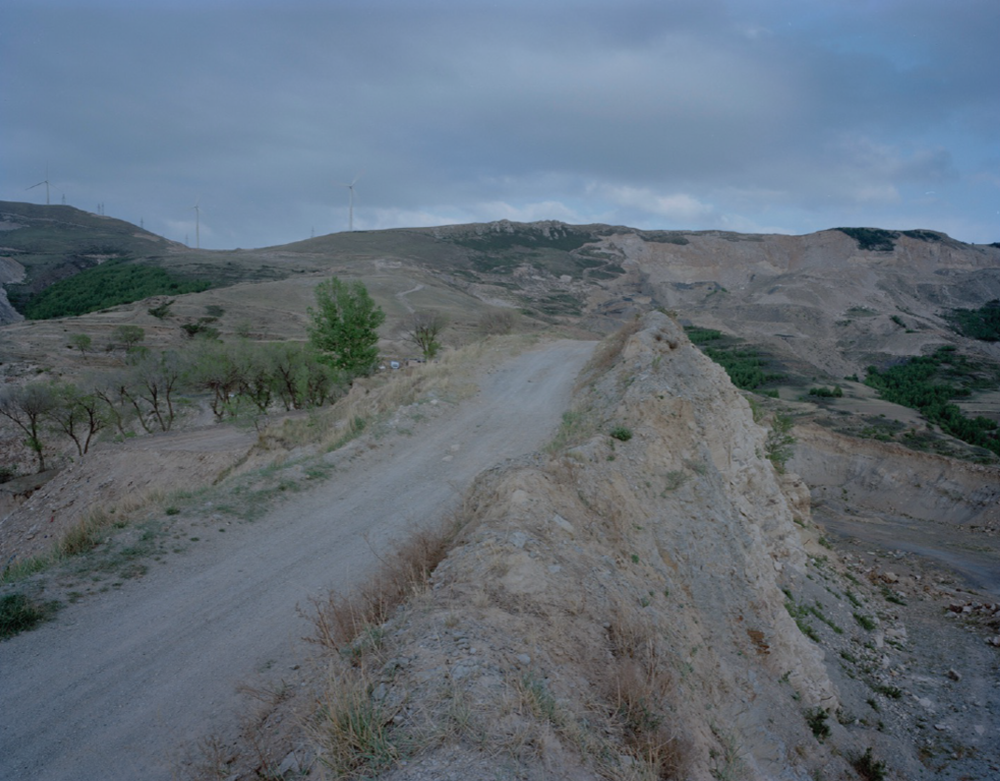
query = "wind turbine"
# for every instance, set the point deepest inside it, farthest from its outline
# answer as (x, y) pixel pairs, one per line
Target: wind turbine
(350, 214)
(45, 182)
(197, 223)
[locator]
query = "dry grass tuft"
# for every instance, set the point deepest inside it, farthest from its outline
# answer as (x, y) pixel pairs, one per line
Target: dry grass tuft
(354, 731)
(85, 535)
(90, 531)
(608, 352)
(635, 686)
(342, 620)
(635, 690)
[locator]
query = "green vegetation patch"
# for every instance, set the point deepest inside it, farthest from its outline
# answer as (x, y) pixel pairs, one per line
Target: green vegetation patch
(982, 323)
(924, 235)
(747, 367)
(666, 237)
(874, 239)
(112, 283)
(18, 614)
(929, 383)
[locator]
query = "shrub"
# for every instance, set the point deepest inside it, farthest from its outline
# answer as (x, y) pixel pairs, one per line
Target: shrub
(161, 311)
(621, 433)
(868, 767)
(816, 718)
(496, 321)
(778, 445)
(18, 614)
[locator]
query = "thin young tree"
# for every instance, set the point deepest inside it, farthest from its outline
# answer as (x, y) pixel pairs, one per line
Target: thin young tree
(81, 342)
(423, 329)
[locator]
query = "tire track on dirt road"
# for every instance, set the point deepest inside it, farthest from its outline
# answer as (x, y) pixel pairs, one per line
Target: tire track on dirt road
(118, 684)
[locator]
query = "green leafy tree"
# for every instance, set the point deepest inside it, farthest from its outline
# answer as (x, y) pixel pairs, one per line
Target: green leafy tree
(81, 342)
(128, 336)
(345, 325)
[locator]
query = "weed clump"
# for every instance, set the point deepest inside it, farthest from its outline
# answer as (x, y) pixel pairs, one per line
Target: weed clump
(19, 614)
(816, 718)
(621, 433)
(868, 767)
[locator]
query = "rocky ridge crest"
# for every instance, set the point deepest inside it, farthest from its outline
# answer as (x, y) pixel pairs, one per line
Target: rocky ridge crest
(617, 607)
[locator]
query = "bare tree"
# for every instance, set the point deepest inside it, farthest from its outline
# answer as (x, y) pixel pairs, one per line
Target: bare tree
(27, 406)
(423, 329)
(496, 321)
(80, 415)
(155, 381)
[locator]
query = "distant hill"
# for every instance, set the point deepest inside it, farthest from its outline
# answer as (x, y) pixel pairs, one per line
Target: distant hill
(814, 308)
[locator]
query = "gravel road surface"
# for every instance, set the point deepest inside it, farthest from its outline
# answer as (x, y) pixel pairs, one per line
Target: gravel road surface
(118, 685)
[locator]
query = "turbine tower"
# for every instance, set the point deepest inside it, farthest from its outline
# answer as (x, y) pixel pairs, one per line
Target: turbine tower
(350, 213)
(197, 223)
(45, 182)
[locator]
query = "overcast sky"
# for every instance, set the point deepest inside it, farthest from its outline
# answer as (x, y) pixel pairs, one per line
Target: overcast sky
(784, 116)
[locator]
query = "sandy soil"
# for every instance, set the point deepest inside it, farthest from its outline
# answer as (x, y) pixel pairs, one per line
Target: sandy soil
(118, 684)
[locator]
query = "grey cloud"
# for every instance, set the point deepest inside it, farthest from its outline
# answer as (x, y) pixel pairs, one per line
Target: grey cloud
(459, 108)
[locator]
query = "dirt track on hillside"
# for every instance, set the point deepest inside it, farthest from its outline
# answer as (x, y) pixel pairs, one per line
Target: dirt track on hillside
(118, 685)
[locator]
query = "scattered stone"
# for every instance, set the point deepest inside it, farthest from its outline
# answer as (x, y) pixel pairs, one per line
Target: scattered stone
(289, 766)
(954, 674)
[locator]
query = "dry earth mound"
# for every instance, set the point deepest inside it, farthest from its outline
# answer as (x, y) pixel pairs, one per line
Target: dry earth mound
(615, 610)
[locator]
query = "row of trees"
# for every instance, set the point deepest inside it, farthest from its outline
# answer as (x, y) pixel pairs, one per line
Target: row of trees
(242, 379)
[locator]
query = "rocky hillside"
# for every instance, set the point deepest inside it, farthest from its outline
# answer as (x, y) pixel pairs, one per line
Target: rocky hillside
(639, 604)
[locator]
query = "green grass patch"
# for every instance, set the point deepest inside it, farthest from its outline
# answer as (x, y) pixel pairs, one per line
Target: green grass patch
(19, 613)
(571, 431)
(865, 622)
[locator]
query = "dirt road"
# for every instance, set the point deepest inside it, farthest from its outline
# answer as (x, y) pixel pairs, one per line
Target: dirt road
(117, 685)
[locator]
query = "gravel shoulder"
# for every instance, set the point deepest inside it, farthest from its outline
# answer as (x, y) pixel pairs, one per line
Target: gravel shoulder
(119, 684)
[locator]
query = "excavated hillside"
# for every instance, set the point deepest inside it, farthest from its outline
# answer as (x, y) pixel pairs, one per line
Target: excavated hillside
(629, 606)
